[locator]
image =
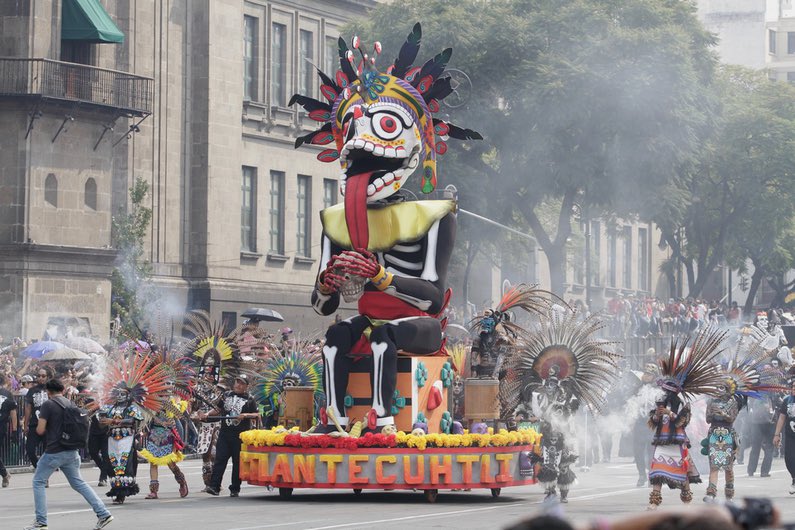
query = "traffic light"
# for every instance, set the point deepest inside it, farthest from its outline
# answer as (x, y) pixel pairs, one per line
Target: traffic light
(744, 283)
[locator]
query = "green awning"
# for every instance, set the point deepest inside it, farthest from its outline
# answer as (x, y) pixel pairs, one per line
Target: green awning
(87, 20)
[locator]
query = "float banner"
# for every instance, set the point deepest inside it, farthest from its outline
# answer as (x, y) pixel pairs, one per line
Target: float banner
(395, 468)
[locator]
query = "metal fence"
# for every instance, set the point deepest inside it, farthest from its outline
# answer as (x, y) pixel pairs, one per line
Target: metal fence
(76, 82)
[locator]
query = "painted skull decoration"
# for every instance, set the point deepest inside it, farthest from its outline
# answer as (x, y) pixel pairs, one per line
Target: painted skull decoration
(381, 122)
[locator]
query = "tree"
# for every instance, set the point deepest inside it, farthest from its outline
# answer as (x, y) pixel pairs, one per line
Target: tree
(130, 280)
(736, 201)
(589, 102)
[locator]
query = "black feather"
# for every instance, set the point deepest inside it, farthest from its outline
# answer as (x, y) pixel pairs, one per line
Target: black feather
(345, 64)
(308, 103)
(307, 138)
(463, 134)
(434, 67)
(408, 52)
(441, 88)
(328, 81)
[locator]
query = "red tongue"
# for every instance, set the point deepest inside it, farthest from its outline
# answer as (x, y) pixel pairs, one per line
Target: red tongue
(356, 209)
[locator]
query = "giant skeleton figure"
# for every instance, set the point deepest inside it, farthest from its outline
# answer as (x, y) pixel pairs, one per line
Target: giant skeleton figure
(388, 253)
(559, 367)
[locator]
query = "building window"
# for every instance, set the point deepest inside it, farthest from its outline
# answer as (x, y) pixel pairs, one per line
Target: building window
(51, 189)
(248, 210)
(277, 212)
(90, 194)
(330, 188)
(771, 41)
(791, 42)
(304, 233)
(307, 59)
(229, 321)
(596, 254)
(612, 246)
(627, 257)
(250, 63)
(791, 77)
(279, 65)
(332, 59)
(643, 259)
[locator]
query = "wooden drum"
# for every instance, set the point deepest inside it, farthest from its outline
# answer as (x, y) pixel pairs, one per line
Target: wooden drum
(480, 399)
(299, 407)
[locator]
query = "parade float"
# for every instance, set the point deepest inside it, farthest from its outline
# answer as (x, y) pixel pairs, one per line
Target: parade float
(386, 423)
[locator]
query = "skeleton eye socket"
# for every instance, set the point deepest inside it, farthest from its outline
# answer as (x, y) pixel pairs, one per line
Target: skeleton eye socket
(386, 126)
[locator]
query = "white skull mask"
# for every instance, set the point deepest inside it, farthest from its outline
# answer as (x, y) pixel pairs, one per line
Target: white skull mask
(381, 138)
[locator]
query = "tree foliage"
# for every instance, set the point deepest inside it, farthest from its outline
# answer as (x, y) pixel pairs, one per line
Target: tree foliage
(590, 102)
(130, 280)
(736, 201)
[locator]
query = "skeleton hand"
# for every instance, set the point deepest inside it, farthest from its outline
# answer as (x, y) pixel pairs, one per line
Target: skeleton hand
(329, 282)
(360, 262)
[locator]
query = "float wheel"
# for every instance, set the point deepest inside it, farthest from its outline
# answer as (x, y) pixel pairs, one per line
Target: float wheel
(430, 495)
(285, 493)
(495, 492)
(357, 491)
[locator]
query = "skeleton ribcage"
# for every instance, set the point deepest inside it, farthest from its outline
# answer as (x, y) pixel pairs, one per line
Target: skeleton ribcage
(407, 259)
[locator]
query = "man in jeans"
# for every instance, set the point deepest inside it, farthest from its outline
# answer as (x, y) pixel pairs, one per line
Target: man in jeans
(56, 456)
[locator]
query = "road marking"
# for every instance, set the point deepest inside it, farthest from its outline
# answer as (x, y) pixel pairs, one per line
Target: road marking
(410, 517)
(50, 514)
(276, 525)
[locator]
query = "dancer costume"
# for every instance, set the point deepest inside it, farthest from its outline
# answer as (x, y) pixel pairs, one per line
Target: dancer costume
(164, 445)
(560, 367)
(215, 353)
(499, 337)
(686, 371)
(745, 376)
(387, 253)
(135, 390)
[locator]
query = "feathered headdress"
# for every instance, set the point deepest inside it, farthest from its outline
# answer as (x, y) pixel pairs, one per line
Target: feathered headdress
(216, 352)
(302, 366)
(419, 88)
(747, 372)
(146, 384)
(691, 367)
(566, 349)
(459, 355)
(531, 298)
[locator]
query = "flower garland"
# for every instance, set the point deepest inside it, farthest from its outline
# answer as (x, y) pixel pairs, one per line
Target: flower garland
(280, 437)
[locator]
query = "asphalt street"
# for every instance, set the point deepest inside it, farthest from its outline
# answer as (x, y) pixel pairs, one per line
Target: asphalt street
(607, 490)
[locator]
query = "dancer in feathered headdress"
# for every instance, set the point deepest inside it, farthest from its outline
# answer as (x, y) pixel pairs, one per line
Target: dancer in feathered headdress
(301, 366)
(560, 366)
(214, 351)
(689, 369)
(745, 375)
(164, 440)
(134, 391)
(498, 334)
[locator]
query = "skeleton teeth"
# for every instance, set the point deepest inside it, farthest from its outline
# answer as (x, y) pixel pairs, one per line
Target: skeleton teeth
(359, 143)
(371, 190)
(401, 152)
(398, 175)
(379, 184)
(390, 152)
(369, 146)
(389, 178)
(378, 151)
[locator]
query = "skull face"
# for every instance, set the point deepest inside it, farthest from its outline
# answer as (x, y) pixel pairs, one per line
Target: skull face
(382, 141)
(389, 430)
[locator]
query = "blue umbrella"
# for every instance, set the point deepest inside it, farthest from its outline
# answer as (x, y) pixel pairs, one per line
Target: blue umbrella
(37, 349)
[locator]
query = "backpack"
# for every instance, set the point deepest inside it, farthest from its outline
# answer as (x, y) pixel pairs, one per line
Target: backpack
(74, 427)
